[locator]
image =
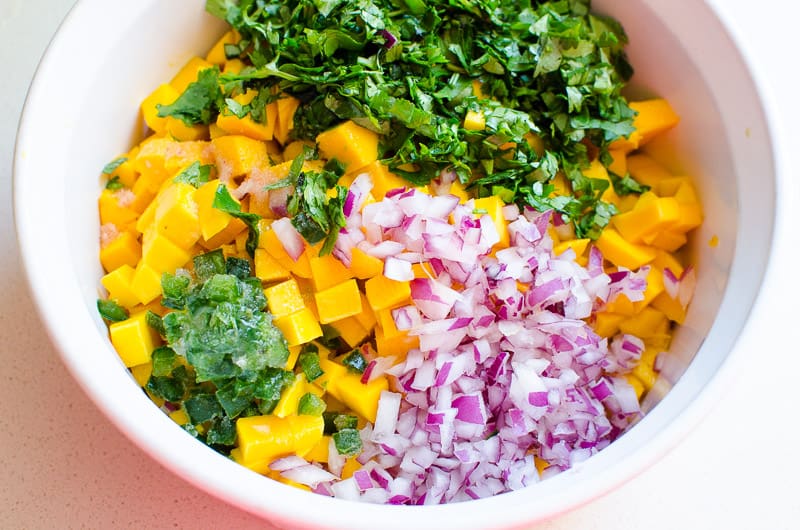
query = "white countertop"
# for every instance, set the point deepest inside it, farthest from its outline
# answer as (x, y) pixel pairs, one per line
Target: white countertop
(65, 466)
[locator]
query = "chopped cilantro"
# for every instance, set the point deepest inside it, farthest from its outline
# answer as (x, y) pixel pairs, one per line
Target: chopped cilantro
(238, 267)
(114, 184)
(154, 321)
(112, 166)
(163, 361)
(202, 408)
(221, 432)
(195, 174)
(111, 311)
(199, 103)
(209, 264)
(224, 202)
(175, 288)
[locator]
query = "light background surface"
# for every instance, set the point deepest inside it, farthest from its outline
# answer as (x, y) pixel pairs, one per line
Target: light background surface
(63, 465)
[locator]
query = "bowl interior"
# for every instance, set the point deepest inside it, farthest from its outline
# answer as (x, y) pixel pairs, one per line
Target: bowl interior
(679, 51)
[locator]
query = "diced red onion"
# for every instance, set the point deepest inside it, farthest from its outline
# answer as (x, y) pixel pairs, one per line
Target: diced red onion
(289, 237)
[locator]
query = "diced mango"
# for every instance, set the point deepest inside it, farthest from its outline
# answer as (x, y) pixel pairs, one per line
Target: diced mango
(669, 240)
(118, 284)
(327, 271)
(383, 292)
(340, 301)
(229, 233)
(474, 121)
(622, 253)
(146, 283)
(265, 438)
(397, 345)
(246, 126)
(597, 170)
(645, 170)
(141, 373)
(111, 211)
(133, 339)
(319, 453)
(363, 266)
(163, 95)
(649, 322)
(299, 327)
(651, 215)
(161, 253)
(494, 207)
(654, 116)
(665, 260)
(294, 353)
(607, 324)
(217, 53)
(268, 269)
(284, 298)
(175, 128)
(176, 214)
(212, 220)
(655, 286)
(367, 316)
(294, 149)
(383, 180)
(351, 331)
(577, 245)
(123, 250)
(619, 166)
(645, 374)
(621, 305)
(670, 306)
(188, 74)
(287, 105)
(238, 155)
(290, 397)
(362, 398)
(350, 144)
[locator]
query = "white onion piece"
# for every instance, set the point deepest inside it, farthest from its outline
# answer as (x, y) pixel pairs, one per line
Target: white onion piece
(289, 237)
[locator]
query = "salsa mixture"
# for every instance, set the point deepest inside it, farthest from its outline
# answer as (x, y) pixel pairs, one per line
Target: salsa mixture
(399, 251)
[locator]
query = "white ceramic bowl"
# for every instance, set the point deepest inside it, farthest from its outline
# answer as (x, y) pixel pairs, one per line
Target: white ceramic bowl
(82, 111)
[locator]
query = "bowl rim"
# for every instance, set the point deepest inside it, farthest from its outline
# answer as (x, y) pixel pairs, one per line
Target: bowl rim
(292, 499)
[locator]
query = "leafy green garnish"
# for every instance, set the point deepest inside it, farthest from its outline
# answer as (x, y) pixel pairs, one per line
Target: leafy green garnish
(199, 103)
(111, 311)
(336, 421)
(163, 361)
(112, 166)
(551, 75)
(154, 321)
(175, 288)
(209, 264)
(223, 201)
(114, 184)
(238, 267)
(195, 174)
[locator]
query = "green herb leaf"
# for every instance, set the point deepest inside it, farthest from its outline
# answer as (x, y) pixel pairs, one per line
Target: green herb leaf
(112, 166)
(199, 103)
(114, 184)
(111, 311)
(163, 361)
(195, 174)
(223, 201)
(209, 264)
(154, 321)
(202, 408)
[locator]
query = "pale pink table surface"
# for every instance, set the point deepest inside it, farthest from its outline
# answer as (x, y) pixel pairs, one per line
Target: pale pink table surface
(63, 465)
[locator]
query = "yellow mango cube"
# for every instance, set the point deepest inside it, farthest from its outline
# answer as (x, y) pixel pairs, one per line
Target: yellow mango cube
(383, 180)
(350, 144)
(118, 284)
(212, 220)
(670, 306)
(669, 240)
(177, 130)
(340, 301)
(363, 399)
(648, 323)
(363, 266)
(287, 105)
(163, 95)
(622, 253)
(597, 170)
(607, 324)
(268, 269)
(161, 253)
(217, 53)
(474, 121)
(265, 438)
(299, 327)
(188, 74)
(654, 116)
(367, 316)
(111, 211)
(351, 331)
(646, 170)
(577, 245)
(620, 164)
(141, 373)
(246, 126)
(327, 271)
(294, 353)
(319, 453)
(383, 292)
(290, 397)
(494, 207)
(229, 233)
(133, 339)
(655, 286)
(238, 155)
(332, 375)
(176, 214)
(146, 283)
(651, 215)
(398, 345)
(284, 298)
(123, 250)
